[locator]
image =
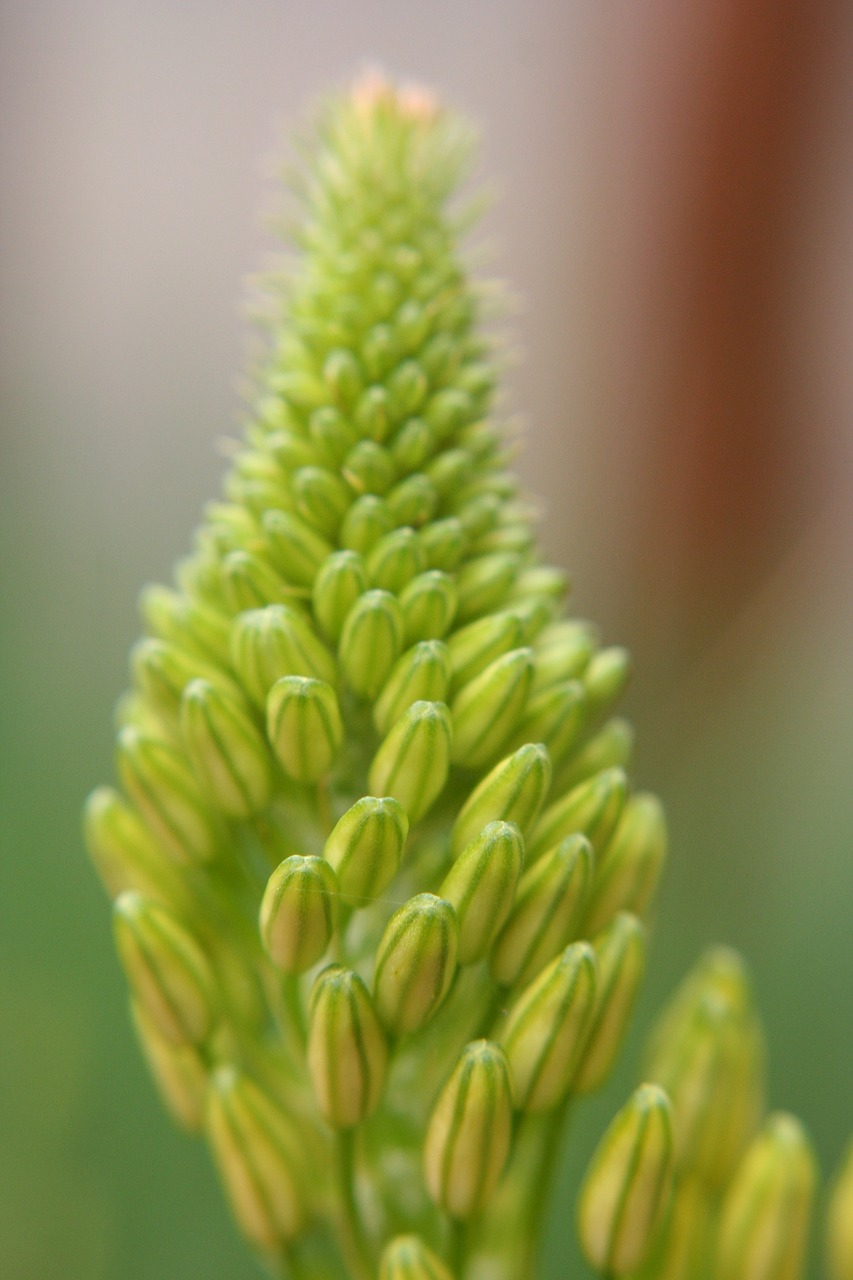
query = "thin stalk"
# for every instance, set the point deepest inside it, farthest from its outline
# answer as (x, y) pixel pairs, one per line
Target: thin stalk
(351, 1235)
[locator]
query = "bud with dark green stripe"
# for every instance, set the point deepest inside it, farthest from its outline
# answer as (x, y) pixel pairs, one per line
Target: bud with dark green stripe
(296, 550)
(684, 1246)
(428, 604)
(621, 953)
(408, 1258)
(298, 912)
(366, 845)
(347, 1053)
(422, 674)
(630, 866)
(605, 678)
(593, 808)
(610, 748)
(178, 1070)
(486, 711)
(371, 641)
(413, 762)
(481, 886)
(338, 585)
(415, 963)
(468, 1137)
(512, 792)
(230, 757)
(159, 782)
(304, 726)
(126, 854)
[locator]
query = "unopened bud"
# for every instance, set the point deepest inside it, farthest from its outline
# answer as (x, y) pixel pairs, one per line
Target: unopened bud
(159, 782)
(413, 762)
(161, 671)
(444, 544)
(186, 623)
(415, 963)
(296, 550)
(628, 1185)
(429, 606)
(610, 748)
(304, 726)
(366, 845)
(684, 1245)
(486, 711)
(347, 1053)
(408, 1258)
(621, 953)
(474, 647)
(593, 808)
(422, 674)
(555, 717)
(298, 912)
(413, 502)
(546, 1030)
(481, 887)
(512, 792)
(124, 851)
(367, 520)
(344, 377)
(321, 497)
(371, 641)
(630, 866)
(483, 584)
(395, 561)
(369, 469)
(230, 758)
(277, 641)
(766, 1212)
(467, 1140)
(563, 652)
(839, 1222)
(605, 678)
(178, 1070)
(339, 583)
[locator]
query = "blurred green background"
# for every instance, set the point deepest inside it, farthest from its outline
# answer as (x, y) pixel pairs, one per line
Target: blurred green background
(675, 213)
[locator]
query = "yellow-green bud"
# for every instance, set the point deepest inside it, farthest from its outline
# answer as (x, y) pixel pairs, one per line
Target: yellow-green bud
(296, 550)
(413, 501)
(512, 792)
(371, 641)
(610, 748)
(347, 1053)
(486, 711)
(187, 623)
(298, 912)
(395, 560)
(563, 651)
(468, 1137)
(621, 953)
(332, 435)
(250, 583)
(684, 1246)
(321, 498)
(304, 726)
(474, 647)
(593, 808)
(369, 468)
(444, 545)
(408, 1258)
(344, 377)
(413, 762)
(415, 963)
(766, 1212)
(483, 583)
(839, 1222)
(551, 899)
(429, 605)
(481, 887)
(161, 671)
(178, 1070)
(255, 1147)
(422, 674)
(366, 845)
(626, 1192)
(159, 782)
(555, 717)
(412, 445)
(546, 1030)
(367, 520)
(339, 583)
(605, 678)
(168, 972)
(277, 641)
(230, 757)
(125, 852)
(630, 866)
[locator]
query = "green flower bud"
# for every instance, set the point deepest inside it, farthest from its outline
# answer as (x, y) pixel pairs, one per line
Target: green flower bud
(428, 604)
(255, 1148)
(468, 1137)
(621, 953)
(161, 671)
(125, 853)
(483, 584)
(395, 560)
(412, 445)
(628, 1185)
(296, 550)
(369, 469)
(167, 970)
(367, 520)
(550, 902)
(563, 652)
(322, 498)
(415, 963)
(630, 866)
(300, 389)
(610, 748)
(407, 388)
(186, 623)
(487, 710)
(765, 1216)
(298, 912)
(474, 647)
(413, 502)
(332, 436)
(408, 1258)
(605, 678)
(371, 642)
(422, 674)
(684, 1245)
(277, 641)
(178, 1071)
(481, 887)
(413, 762)
(513, 792)
(304, 726)
(449, 469)
(229, 756)
(366, 846)
(250, 583)
(541, 581)
(593, 808)
(546, 1031)
(556, 717)
(339, 583)
(347, 1053)
(839, 1222)
(344, 377)
(160, 784)
(443, 543)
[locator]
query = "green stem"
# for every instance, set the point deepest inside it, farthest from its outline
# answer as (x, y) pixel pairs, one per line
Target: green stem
(351, 1236)
(456, 1247)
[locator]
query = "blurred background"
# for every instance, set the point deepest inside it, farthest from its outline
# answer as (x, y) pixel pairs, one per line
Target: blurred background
(675, 214)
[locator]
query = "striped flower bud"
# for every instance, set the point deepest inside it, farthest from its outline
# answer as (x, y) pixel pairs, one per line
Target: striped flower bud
(483, 584)
(481, 887)
(250, 583)
(610, 748)
(371, 641)
(546, 1030)
(369, 468)
(408, 1258)
(255, 1148)
(468, 1136)
(474, 647)
(839, 1222)
(230, 758)
(428, 604)
(161, 671)
(413, 501)
(486, 711)
(186, 622)
(298, 912)
(168, 972)
(605, 678)
(593, 808)
(563, 652)
(422, 674)
(512, 792)
(367, 521)
(413, 762)
(684, 1245)
(178, 1071)
(415, 963)
(550, 901)
(631, 864)
(366, 845)
(347, 1053)
(339, 583)
(555, 717)
(160, 784)
(125, 852)
(296, 550)
(765, 1216)
(444, 544)
(321, 498)
(627, 1188)
(395, 561)
(621, 953)
(277, 641)
(304, 726)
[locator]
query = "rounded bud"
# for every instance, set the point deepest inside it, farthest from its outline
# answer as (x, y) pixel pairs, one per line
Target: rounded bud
(545, 1033)
(483, 583)
(839, 1222)
(276, 641)
(605, 678)
(230, 758)
(444, 544)
(563, 652)
(610, 748)
(512, 792)
(395, 560)
(367, 520)
(178, 1071)
(408, 1258)
(413, 501)
(555, 717)
(486, 711)
(593, 808)
(347, 1053)
(481, 887)
(369, 468)
(371, 641)
(620, 950)
(630, 866)
(296, 550)
(684, 1245)
(160, 784)
(298, 910)
(415, 963)
(321, 497)
(628, 1185)
(413, 762)
(366, 845)
(339, 583)
(429, 605)
(422, 674)
(250, 583)
(468, 1137)
(125, 853)
(304, 726)
(474, 647)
